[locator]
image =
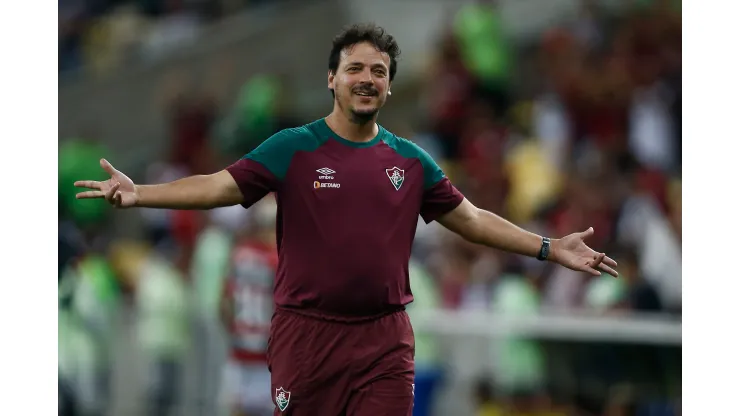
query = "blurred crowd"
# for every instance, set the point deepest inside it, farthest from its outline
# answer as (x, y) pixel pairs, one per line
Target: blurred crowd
(97, 35)
(581, 129)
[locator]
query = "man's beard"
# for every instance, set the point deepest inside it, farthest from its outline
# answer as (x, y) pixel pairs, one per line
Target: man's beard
(362, 117)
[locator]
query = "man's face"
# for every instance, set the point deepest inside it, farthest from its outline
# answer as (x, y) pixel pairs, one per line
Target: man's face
(361, 82)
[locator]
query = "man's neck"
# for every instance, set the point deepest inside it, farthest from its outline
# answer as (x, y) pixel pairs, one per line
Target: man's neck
(348, 130)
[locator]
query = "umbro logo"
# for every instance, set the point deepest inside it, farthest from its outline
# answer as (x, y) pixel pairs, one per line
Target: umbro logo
(325, 171)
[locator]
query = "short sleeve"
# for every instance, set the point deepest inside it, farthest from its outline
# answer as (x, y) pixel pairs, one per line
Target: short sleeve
(440, 196)
(263, 169)
(440, 199)
(254, 180)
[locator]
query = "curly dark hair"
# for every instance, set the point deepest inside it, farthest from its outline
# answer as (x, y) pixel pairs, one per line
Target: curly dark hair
(365, 32)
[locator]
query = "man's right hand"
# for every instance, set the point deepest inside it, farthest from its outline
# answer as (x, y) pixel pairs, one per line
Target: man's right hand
(119, 190)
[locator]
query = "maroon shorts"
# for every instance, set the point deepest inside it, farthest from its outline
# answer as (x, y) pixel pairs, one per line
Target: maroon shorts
(322, 368)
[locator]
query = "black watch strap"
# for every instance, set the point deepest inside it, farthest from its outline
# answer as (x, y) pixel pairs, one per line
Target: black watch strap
(544, 249)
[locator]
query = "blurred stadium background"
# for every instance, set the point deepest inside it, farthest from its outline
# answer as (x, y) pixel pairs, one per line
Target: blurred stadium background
(557, 114)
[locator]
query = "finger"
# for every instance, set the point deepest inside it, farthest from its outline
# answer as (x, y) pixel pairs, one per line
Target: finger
(609, 261)
(588, 233)
(108, 167)
(597, 260)
(608, 269)
(117, 199)
(88, 184)
(111, 192)
(90, 194)
(590, 270)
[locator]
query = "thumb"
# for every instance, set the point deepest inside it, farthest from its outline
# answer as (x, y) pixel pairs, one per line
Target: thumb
(108, 167)
(588, 233)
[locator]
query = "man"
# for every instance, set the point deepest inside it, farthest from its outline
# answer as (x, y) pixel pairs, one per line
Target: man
(349, 193)
(246, 310)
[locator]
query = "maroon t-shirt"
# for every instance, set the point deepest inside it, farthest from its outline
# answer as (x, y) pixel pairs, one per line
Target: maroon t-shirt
(347, 216)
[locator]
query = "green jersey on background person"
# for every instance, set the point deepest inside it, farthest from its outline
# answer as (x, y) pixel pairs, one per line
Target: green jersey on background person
(519, 362)
(209, 268)
(96, 301)
(426, 298)
(485, 52)
(254, 117)
(428, 369)
(163, 312)
(89, 300)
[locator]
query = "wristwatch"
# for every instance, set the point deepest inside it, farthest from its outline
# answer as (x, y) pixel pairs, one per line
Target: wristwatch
(544, 249)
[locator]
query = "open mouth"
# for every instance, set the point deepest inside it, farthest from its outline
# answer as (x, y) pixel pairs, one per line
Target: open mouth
(366, 93)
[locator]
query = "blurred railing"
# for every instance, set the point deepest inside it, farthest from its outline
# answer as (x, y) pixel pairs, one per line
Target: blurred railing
(632, 328)
(466, 344)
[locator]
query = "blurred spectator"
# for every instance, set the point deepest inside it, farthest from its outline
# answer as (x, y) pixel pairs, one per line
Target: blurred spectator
(158, 223)
(519, 370)
(192, 117)
(246, 311)
(258, 114)
(553, 129)
(482, 152)
(534, 182)
(643, 225)
(641, 295)
(428, 370)
(209, 270)
(485, 51)
(88, 325)
(176, 26)
(652, 138)
(451, 86)
(162, 321)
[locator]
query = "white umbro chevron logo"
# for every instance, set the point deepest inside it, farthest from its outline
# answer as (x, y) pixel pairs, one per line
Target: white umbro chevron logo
(325, 171)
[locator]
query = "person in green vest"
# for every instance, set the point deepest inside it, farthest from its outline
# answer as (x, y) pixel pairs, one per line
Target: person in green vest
(479, 30)
(428, 370)
(520, 372)
(89, 298)
(209, 267)
(162, 327)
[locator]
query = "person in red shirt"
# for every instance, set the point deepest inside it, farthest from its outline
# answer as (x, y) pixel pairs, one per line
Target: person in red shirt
(246, 312)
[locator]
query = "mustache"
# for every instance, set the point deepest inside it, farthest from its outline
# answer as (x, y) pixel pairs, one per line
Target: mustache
(366, 89)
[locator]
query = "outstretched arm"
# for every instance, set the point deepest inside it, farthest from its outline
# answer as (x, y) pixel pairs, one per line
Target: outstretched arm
(483, 227)
(194, 192)
(244, 182)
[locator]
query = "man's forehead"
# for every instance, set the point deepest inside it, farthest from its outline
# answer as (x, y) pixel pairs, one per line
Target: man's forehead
(366, 53)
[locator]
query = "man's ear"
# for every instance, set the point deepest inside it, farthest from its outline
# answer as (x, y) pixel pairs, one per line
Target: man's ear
(330, 79)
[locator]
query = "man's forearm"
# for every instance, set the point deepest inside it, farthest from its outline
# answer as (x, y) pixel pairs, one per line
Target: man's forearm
(193, 192)
(493, 231)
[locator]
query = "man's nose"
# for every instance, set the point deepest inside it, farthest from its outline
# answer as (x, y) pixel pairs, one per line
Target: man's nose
(367, 76)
